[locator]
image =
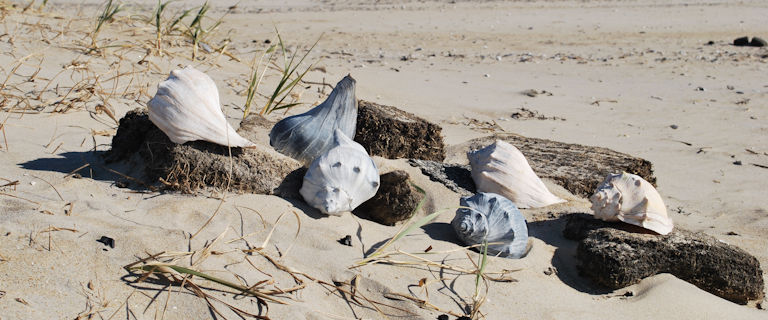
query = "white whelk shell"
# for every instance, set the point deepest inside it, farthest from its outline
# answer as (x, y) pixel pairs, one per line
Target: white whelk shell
(501, 168)
(340, 179)
(186, 108)
(629, 198)
(495, 219)
(306, 136)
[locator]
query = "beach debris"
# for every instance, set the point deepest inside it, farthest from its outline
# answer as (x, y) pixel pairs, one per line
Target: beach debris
(306, 136)
(527, 114)
(627, 197)
(396, 200)
(193, 165)
(347, 240)
(493, 218)
(612, 256)
(107, 241)
(501, 168)
(391, 133)
(577, 168)
(186, 108)
(456, 177)
(533, 93)
(674, 126)
(341, 178)
(744, 41)
(741, 41)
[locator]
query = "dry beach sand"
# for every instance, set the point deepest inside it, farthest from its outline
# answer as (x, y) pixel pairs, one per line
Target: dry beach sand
(637, 77)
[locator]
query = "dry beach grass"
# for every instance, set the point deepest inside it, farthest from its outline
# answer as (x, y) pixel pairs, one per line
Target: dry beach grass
(622, 75)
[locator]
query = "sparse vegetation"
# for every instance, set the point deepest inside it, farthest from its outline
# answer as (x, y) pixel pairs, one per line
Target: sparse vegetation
(289, 77)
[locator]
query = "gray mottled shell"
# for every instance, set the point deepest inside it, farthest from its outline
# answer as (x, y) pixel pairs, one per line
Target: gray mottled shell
(340, 179)
(186, 108)
(306, 136)
(494, 218)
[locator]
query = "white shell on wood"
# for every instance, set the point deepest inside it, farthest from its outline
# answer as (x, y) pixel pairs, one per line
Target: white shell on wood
(629, 198)
(306, 136)
(493, 218)
(186, 108)
(340, 179)
(501, 168)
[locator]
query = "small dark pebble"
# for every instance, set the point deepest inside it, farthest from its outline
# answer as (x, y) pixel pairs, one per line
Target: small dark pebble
(731, 233)
(674, 126)
(107, 241)
(737, 162)
(347, 240)
(442, 317)
(743, 41)
(757, 42)
(121, 184)
(267, 41)
(629, 294)
(710, 42)
(699, 88)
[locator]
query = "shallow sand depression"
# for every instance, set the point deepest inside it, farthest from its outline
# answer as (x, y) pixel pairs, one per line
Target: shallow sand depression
(657, 80)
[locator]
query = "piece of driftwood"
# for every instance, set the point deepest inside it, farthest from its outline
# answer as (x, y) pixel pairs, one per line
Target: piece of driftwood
(197, 164)
(578, 168)
(617, 255)
(393, 133)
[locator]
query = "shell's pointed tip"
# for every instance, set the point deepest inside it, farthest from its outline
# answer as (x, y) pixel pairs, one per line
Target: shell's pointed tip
(349, 77)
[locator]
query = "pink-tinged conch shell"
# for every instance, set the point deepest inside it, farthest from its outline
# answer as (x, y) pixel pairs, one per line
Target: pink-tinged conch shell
(629, 198)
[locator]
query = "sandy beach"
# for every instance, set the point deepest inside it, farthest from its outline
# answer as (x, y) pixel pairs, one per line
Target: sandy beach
(658, 80)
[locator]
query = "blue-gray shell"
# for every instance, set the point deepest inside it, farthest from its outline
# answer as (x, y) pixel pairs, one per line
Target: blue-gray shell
(494, 218)
(306, 136)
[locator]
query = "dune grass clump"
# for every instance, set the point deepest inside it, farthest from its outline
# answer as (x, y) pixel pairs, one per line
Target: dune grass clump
(108, 13)
(289, 77)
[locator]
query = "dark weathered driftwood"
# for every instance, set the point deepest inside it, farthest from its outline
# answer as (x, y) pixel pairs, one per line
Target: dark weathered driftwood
(393, 133)
(617, 255)
(197, 164)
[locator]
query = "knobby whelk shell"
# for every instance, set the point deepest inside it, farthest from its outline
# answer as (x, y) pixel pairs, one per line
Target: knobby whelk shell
(495, 219)
(306, 136)
(629, 198)
(340, 179)
(186, 108)
(501, 168)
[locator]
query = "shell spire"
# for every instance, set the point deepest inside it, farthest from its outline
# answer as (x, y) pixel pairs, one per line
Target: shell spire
(629, 198)
(501, 168)
(186, 108)
(340, 179)
(306, 136)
